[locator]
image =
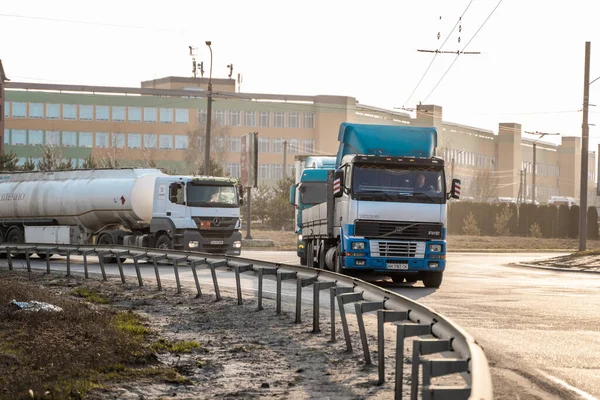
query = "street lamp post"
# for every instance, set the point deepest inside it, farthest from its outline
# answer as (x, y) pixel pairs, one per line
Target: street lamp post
(208, 116)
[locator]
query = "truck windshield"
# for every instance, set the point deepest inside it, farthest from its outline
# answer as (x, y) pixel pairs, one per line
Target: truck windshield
(312, 193)
(402, 183)
(202, 195)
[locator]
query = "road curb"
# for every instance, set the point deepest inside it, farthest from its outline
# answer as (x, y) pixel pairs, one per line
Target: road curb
(524, 265)
(510, 251)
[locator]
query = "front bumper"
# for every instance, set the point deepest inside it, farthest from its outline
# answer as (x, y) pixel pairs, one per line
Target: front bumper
(219, 245)
(385, 265)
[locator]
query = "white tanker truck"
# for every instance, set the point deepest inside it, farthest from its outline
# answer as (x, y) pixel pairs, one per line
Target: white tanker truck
(132, 207)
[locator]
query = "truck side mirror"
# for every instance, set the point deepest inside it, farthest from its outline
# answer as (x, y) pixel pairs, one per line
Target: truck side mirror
(293, 194)
(338, 183)
(455, 190)
(240, 189)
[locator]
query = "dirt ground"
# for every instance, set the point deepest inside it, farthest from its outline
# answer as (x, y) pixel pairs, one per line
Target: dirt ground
(238, 352)
(584, 261)
(286, 240)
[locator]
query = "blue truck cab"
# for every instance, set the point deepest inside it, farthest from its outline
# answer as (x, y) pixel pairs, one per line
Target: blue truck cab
(385, 211)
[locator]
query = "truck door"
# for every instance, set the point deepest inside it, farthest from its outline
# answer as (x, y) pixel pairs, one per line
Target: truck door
(176, 203)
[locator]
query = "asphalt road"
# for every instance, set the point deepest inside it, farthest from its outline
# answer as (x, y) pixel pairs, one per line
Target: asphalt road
(540, 329)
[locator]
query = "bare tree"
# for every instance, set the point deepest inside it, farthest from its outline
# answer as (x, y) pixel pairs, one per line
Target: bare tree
(483, 185)
(52, 159)
(194, 155)
(113, 155)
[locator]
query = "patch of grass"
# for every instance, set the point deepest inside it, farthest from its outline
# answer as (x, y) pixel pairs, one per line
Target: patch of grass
(131, 322)
(176, 347)
(90, 295)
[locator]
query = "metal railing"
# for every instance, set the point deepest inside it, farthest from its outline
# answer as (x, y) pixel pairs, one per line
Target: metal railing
(410, 318)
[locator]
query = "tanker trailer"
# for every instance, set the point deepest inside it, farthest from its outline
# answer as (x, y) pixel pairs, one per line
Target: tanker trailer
(130, 206)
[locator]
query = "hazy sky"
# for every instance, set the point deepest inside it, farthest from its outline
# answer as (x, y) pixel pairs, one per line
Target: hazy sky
(530, 69)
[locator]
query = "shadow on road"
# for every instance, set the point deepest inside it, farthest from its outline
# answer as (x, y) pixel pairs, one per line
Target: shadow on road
(413, 291)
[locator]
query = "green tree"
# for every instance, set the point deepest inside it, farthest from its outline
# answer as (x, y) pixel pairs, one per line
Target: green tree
(52, 160)
(502, 221)
(8, 162)
(280, 212)
(29, 165)
(470, 226)
(216, 169)
(89, 163)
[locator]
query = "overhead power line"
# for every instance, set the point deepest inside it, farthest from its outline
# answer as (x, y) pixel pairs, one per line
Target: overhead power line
(464, 48)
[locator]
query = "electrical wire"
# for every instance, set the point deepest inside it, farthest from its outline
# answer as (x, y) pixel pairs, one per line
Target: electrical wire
(464, 48)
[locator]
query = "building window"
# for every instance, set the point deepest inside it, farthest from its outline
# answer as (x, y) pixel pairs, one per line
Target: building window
(19, 110)
(276, 171)
(308, 146)
(294, 120)
(118, 113)
(249, 118)
(166, 115)
(102, 139)
(69, 112)
(264, 145)
(35, 138)
(150, 141)
(234, 118)
(36, 110)
(52, 138)
(102, 113)
(166, 142)
(134, 140)
(86, 113)
(118, 140)
(264, 119)
(181, 142)
(52, 111)
(220, 117)
(182, 116)
(135, 114)
(293, 146)
(219, 144)
(279, 120)
(7, 109)
(235, 144)
(86, 139)
(234, 169)
(278, 145)
(150, 114)
(309, 120)
(19, 137)
(69, 139)
(202, 117)
(263, 171)
(7, 136)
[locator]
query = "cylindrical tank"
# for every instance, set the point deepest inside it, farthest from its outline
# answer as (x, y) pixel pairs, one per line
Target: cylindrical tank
(90, 198)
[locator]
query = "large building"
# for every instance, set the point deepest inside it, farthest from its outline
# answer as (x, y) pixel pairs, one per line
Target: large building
(163, 122)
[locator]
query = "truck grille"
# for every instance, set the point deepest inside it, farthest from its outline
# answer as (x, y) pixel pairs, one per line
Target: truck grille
(223, 229)
(380, 248)
(398, 230)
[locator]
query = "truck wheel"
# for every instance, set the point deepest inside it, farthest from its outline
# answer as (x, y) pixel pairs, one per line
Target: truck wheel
(16, 236)
(410, 279)
(164, 242)
(310, 254)
(337, 262)
(433, 279)
(303, 261)
(106, 239)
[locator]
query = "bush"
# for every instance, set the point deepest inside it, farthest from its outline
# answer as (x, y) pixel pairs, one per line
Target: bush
(501, 225)
(535, 231)
(592, 223)
(564, 222)
(574, 222)
(470, 225)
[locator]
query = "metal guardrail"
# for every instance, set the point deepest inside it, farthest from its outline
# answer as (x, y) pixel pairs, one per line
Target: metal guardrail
(410, 318)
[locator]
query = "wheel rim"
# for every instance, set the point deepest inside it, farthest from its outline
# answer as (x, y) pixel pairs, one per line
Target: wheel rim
(163, 246)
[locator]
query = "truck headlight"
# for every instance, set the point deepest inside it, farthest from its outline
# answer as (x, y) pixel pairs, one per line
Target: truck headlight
(358, 245)
(192, 244)
(435, 248)
(237, 244)
(434, 265)
(299, 238)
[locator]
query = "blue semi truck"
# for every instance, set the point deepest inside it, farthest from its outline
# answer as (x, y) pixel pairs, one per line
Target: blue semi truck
(384, 206)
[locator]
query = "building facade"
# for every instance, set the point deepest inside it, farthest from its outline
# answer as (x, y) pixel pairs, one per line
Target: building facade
(162, 124)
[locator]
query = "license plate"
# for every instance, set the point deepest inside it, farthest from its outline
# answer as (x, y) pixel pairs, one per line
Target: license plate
(397, 266)
(216, 242)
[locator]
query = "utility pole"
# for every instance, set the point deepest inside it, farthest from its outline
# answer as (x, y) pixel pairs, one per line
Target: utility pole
(284, 175)
(525, 184)
(519, 196)
(584, 151)
(534, 172)
(208, 117)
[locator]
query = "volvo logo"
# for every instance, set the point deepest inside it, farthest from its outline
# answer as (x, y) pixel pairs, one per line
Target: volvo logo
(400, 229)
(216, 221)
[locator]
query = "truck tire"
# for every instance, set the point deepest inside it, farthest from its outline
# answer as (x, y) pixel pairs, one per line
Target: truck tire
(303, 261)
(337, 261)
(15, 235)
(310, 254)
(106, 239)
(164, 242)
(433, 279)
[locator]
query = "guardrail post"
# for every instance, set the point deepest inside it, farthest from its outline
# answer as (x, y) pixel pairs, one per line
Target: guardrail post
(434, 368)
(155, 259)
(300, 283)
(238, 270)
(85, 262)
(360, 308)
(176, 271)
(344, 299)
(48, 258)
(333, 292)
(446, 392)
(194, 264)
(263, 271)
(213, 266)
(317, 287)
(68, 262)
(9, 258)
(282, 276)
(403, 331)
(136, 260)
(101, 255)
(384, 316)
(120, 264)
